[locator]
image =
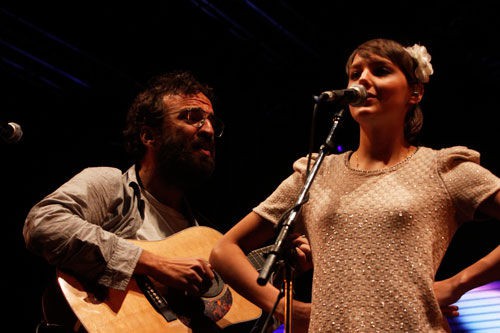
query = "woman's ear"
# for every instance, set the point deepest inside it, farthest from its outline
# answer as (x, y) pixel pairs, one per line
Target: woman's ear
(416, 94)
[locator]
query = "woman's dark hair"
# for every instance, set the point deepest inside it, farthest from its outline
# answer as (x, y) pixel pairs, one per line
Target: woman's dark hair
(397, 54)
(148, 106)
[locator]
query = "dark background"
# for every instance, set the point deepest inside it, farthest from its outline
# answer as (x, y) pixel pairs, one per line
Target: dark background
(69, 71)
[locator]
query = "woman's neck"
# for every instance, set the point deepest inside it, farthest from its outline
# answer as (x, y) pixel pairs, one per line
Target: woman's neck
(380, 151)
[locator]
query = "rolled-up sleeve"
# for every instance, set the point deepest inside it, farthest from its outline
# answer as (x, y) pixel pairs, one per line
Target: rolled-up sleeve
(81, 227)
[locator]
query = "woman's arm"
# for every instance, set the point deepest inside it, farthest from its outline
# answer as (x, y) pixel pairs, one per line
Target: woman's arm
(229, 259)
(483, 271)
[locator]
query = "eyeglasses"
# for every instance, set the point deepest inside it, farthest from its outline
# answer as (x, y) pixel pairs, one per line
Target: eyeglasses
(197, 117)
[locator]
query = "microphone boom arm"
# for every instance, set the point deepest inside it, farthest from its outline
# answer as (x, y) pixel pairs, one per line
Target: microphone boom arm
(286, 227)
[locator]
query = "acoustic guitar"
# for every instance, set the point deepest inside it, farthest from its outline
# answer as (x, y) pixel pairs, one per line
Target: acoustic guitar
(145, 306)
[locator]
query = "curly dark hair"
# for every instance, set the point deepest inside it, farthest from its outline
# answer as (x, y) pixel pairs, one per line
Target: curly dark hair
(148, 107)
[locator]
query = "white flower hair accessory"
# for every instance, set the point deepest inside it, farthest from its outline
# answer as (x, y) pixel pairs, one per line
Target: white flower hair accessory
(424, 68)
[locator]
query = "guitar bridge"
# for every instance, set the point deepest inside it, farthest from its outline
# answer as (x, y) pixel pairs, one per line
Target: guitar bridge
(155, 298)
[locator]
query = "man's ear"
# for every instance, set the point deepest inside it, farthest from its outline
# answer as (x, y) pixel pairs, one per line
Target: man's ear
(148, 136)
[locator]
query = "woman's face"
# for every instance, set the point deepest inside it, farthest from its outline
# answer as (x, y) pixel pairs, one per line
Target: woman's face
(388, 91)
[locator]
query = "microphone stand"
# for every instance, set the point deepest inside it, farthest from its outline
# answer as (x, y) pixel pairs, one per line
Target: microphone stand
(277, 251)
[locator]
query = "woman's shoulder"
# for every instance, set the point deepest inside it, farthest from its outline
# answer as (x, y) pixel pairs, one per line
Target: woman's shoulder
(453, 153)
(303, 162)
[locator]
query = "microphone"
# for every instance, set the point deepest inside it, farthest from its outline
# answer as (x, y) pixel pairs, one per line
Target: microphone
(354, 95)
(10, 132)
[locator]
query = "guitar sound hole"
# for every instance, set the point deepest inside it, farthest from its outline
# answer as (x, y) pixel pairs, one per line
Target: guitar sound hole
(204, 311)
(212, 288)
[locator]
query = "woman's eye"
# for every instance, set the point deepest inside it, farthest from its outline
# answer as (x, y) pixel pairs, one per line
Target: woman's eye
(354, 75)
(381, 71)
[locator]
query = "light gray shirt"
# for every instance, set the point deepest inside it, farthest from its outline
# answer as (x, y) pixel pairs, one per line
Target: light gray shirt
(83, 225)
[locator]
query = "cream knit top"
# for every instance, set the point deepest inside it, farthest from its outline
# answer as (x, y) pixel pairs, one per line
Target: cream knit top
(378, 237)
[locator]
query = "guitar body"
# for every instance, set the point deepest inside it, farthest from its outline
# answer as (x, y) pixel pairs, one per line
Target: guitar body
(131, 311)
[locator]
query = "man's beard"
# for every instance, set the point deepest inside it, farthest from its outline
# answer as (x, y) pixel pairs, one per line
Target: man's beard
(180, 163)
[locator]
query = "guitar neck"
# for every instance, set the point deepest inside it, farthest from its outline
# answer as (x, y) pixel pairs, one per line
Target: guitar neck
(258, 257)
